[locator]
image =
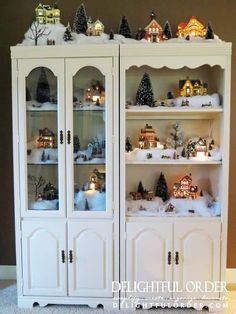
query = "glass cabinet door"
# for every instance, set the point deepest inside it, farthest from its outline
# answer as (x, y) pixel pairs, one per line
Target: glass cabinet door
(89, 137)
(42, 148)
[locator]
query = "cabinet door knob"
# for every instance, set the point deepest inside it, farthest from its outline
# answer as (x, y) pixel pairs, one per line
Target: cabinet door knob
(68, 137)
(176, 258)
(61, 137)
(63, 257)
(70, 256)
(169, 258)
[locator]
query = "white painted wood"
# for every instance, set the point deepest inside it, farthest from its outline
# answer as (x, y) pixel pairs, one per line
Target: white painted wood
(91, 272)
(198, 246)
(24, 68)
(147, 249)
(7, 272)
(44, 273)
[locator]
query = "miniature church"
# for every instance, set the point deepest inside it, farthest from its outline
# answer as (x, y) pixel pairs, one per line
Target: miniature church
(184, 188)
(153, 31)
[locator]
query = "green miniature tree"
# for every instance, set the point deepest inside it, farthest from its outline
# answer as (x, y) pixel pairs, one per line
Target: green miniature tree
(167, 31)
(162, 189)
(124, 28)
(144, 95)
(67, 35)
(209, 33)
(80, 21)
(140, 188)
(86, 205)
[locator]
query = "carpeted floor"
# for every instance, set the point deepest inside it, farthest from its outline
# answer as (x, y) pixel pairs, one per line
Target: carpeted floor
(8, 305)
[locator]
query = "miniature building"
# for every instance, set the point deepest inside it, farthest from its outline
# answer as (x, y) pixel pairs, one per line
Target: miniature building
(94, 28)
(97, 180)
(153, 31)
(46, 139)
(147, 138)
(201, 145)
(47, 14)
(50, 192)
(188, 88)
(192, 28)
(184, 189)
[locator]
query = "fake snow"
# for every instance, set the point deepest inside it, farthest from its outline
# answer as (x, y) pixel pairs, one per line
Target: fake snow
(96, 200)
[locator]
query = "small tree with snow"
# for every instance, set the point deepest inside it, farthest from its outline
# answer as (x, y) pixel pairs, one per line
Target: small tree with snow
(140, 188)
(167, 31)
(162, 189)
(67, 35)
(177, 137)
(80, 21)
(144, 95)
(37, 30)
(43, 88)
(124, 28)
(209, 33)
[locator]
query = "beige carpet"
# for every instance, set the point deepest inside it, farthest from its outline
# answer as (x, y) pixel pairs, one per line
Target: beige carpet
(8, 305)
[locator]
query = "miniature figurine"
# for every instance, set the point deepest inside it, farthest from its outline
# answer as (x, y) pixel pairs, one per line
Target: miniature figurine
(149, 155)
(170, 208)
(128, 144)
(142, 208)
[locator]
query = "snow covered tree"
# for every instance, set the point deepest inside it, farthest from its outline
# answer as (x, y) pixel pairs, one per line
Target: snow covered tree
(144, 95)
(162, 189)
(80, 21)
(124, 28)
(140, 188)
(128, 144)
(43, 88)
(67, 35)
(37, 30)
(209, 33)
(177, 137)
(167, 30)
(86, 205)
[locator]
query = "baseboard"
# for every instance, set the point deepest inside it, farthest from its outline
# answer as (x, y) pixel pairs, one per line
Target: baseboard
(231, 276)
(7, 272)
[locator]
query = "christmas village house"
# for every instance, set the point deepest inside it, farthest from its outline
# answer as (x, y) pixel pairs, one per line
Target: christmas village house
(147, 138)
(189, 88)
(184, 189)
(46, 139)
(97, 180)
(47, 14)
(153, 31)
(95, 28)
(192, 28)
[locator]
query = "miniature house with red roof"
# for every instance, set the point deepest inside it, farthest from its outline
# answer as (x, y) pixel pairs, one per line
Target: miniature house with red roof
(153, 31)
(184, 188)
(192, 28)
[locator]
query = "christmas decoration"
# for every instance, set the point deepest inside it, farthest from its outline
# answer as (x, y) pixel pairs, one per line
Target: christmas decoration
(76, 144)
(43, 157)
(191, 149)
(201, 148)
(153, 31)
(170, 208)
(140, 34)
(142, 208)
(46, 13)
(167, 33)
(43, 88)
(37, 30)
(183, 154)
(170, 95)
(94, 28)
(46, 139)
(67, 35)
(184, 188)
(128, 144)
(97, 180)
(50, 192)
(161, 189)
(80, 21)
(111, 35)
(192, 28)
(188, 88)
(209, 32)
(144, 95)
(176, 139)
(140, 188)
(86, 207)
(147, 138)
(124, 28)
(51, 42)
(37, 183)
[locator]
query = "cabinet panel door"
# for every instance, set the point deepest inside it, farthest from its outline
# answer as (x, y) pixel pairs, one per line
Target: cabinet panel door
(198, 246)
(89, 103)
(44, 272)
(41, 141)
(148, 247)
(91, 271)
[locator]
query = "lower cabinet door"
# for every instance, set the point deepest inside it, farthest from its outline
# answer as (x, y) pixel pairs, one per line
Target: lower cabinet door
(149, 259)
(90, 265)
(197, 259)
(44, 269)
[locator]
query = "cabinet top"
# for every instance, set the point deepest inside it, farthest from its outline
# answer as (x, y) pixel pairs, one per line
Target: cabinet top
(126, 50)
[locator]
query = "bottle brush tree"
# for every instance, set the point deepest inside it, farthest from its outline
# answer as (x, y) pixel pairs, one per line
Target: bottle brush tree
(80, 21)
(144, 95)
(177, 137)
(167, 31)
(124, 28)
(209, 33)
(161, 188)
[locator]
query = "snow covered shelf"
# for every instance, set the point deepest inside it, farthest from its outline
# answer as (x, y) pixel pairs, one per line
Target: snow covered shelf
(175, 162)
(167, 113)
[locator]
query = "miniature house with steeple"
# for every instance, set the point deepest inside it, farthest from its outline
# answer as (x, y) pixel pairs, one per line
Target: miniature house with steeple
(153, 31)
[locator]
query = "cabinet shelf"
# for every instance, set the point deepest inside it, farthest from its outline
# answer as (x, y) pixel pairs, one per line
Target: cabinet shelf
(174, 163)
(176, 113)
(42, 163)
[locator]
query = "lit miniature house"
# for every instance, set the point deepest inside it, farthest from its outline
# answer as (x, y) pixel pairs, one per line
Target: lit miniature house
(97, 180)
(189, 88)
(184, 188)
(201, 148)
(46, 139)
(47, 14)
(95, 93)
(95, 28)
(192, 28)
(153, 31)
(148, 138)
